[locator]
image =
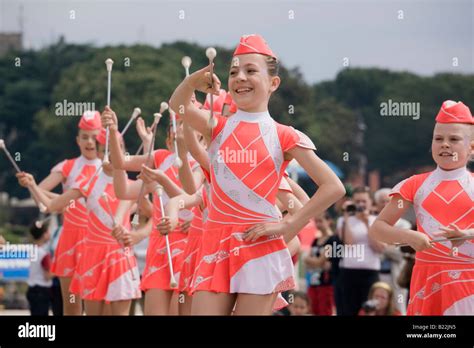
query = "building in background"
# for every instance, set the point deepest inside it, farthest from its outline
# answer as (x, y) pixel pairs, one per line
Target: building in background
(10, 42)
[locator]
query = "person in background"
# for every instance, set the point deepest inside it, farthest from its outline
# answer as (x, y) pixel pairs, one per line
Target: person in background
(380, 301)
(56, 293)
(392, 257)
(347, 208)
(299, 303)
(321, 268)
(404, 278)
(40, 276)
(2, 240)
(360, 265)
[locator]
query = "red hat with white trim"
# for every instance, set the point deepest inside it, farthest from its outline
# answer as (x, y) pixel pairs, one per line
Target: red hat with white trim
(90, 120)
(253, 43)
(101, 137)
(218, 102)
(224, 98)
(232, 106)
(452, 112)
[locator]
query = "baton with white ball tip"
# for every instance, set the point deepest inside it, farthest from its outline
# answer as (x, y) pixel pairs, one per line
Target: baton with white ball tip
(173, 283)
(211, 55)
(163, 108)
(41, 206)
(108, 63)
(177, 161)
(186, 63)
(135, 114)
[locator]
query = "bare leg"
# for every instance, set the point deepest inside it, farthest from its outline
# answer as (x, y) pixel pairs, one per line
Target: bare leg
(211, 303)
(185, 302)
(157, 302)
(120, 307)
(94, 307)
(250, 304)
(106, 309)
(72, 304)
(174, 310)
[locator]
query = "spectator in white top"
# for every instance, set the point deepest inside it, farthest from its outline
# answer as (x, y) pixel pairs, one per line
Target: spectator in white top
(360, 264)
(392, 259)
(40, 276)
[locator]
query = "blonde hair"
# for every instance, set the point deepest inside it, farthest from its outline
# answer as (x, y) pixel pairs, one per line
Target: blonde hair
(382, 285)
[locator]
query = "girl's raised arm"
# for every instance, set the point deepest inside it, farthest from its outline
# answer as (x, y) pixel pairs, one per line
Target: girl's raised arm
(53, 205)
(181, 100)
(196, 150)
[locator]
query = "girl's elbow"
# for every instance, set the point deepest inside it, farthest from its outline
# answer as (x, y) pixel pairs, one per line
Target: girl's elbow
(174, 104)
(373, 230)
(118, 163)
(190, 190)
(339, 190)
(120, 194)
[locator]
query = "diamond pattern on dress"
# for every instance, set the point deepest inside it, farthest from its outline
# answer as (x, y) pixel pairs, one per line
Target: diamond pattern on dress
(235, 195)
(454, 274)
(435, 287)
(198, 281)
(209, 258)
(447, 203)
(221, 255)
(421, 294)
(254, 198)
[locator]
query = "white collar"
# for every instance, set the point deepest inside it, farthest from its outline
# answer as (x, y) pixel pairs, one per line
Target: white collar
(95, 160)
(251, 116)
(451, 174)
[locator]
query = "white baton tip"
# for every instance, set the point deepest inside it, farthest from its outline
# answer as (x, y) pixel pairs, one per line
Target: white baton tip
(211, 53)
(157, 116)
(163, 106)
(186, 61)
(136, 112)
(159, 190)
(109, 62)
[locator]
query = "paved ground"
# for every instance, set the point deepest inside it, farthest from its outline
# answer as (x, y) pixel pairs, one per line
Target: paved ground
(14, 312)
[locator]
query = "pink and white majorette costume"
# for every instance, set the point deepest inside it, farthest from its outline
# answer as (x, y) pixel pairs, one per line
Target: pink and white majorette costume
(69, 248)
(156, 274)
(442, 282)
(243, 193)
